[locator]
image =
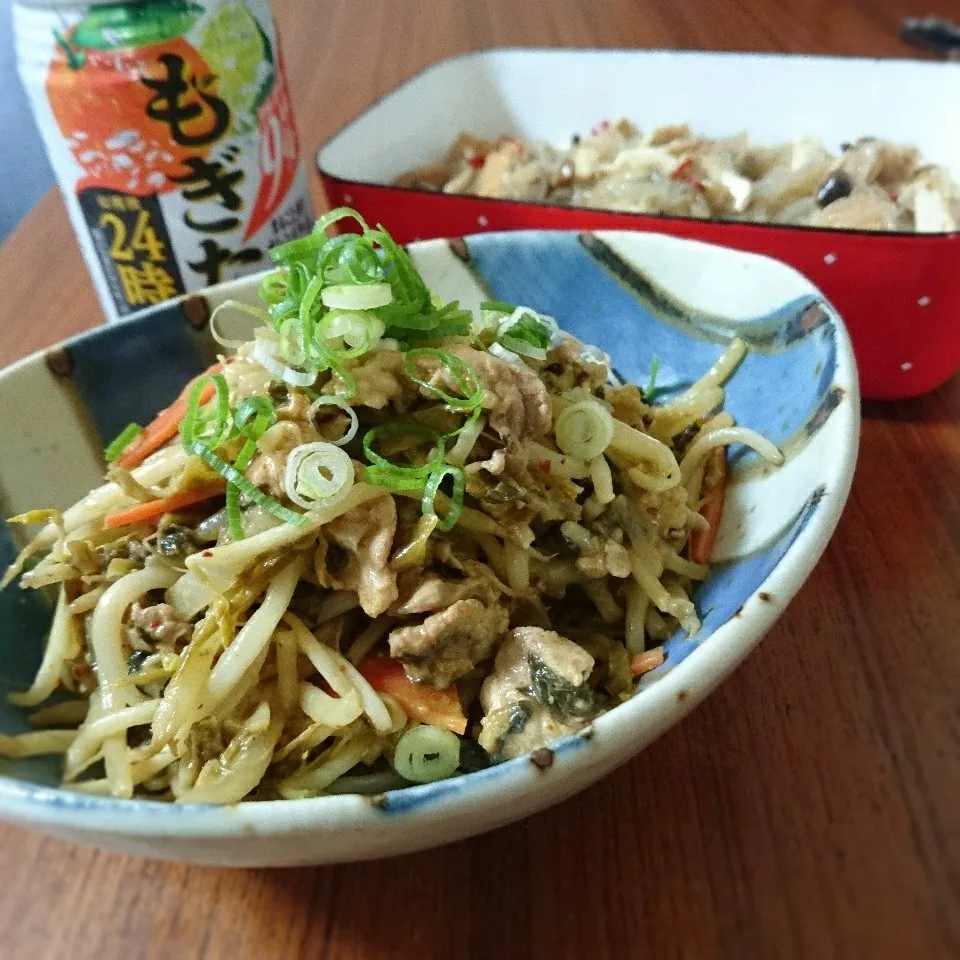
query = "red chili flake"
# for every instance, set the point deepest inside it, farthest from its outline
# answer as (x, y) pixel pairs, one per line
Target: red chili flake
(207, 553)
(544, 466)
(600, 127)
(682, 172)
(476, 161)
(156, 624)
(894, 196)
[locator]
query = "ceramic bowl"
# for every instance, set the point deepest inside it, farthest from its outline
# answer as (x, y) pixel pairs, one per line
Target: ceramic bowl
(637, 295)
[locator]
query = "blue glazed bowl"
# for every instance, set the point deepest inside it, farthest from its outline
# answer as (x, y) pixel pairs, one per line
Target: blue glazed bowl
(637, 296)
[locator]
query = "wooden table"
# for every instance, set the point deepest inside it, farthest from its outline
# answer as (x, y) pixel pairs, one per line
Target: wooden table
(810, 808)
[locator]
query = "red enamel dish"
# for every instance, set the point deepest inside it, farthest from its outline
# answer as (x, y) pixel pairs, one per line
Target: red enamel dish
(898, 293)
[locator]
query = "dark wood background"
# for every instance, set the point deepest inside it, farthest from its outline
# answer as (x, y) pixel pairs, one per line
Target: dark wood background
(810, 808)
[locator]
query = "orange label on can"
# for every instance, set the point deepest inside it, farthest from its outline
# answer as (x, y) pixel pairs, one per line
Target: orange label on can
(182, 163)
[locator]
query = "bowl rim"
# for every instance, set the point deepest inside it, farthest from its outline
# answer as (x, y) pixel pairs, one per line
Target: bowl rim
(668, 218)
(613, 736)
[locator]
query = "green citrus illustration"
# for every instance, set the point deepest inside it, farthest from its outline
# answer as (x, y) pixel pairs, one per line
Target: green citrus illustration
(139, 23)
(239, 56)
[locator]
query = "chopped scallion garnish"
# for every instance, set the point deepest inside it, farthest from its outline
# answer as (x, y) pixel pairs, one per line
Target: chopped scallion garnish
(498, 306)
(456, 496)
(401, 427)
(243, 485)
(457, 370)
(651, 388)
(234, 515)
(123, 440)
(209, 422)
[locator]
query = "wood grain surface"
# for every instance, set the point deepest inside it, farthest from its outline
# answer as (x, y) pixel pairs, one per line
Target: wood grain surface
(810, 808)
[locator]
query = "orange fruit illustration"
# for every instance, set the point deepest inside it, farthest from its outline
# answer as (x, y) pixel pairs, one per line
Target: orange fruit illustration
(122, 131)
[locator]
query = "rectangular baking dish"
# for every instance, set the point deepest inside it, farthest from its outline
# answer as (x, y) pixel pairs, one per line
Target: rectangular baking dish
(898, 293)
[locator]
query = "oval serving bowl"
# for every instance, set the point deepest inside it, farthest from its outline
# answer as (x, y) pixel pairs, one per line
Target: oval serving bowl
(636, 295)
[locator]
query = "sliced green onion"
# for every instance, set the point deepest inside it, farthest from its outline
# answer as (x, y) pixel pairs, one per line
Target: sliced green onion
(265, 353)
(465, 426)
(350, 385)
(365, 274)
(427, 753)
(584, 430)
(357, 330)
(273, 287)
(336, 401)
(236, 306)
(306, 313)
(467, 436)
(456, 496)
(301, 250)
(251, 492)
(502, 353)
(334, 216)
(412, 306)
(459, 328)
(649, 391)
(287, 344)
(318, 474)
(448, 321)
(350, 258)
(396, 480)
(209, 423)
(456, 369)
(403, 427)
(252, 418)
(498, 306)
(361, 296)
(255, 416)
(304, 247)
(123, 440)
(335, 326)
(525, 326)
(523, 349)
(234, 515)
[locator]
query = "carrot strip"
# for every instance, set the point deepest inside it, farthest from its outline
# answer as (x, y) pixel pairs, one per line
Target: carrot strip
(420, 701)
(642, 663)
(153, 509)
(165, 425)
(702, 541)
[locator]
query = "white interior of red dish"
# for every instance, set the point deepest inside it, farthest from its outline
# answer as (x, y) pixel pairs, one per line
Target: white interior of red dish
(552, 94)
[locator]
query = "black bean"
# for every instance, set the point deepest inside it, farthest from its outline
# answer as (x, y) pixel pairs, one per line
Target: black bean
(835, 187)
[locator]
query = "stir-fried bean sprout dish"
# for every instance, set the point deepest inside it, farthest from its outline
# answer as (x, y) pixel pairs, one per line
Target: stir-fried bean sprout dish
(384, 541)
(870, 185)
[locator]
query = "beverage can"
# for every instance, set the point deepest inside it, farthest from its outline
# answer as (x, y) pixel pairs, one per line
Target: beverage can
(170, 127)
